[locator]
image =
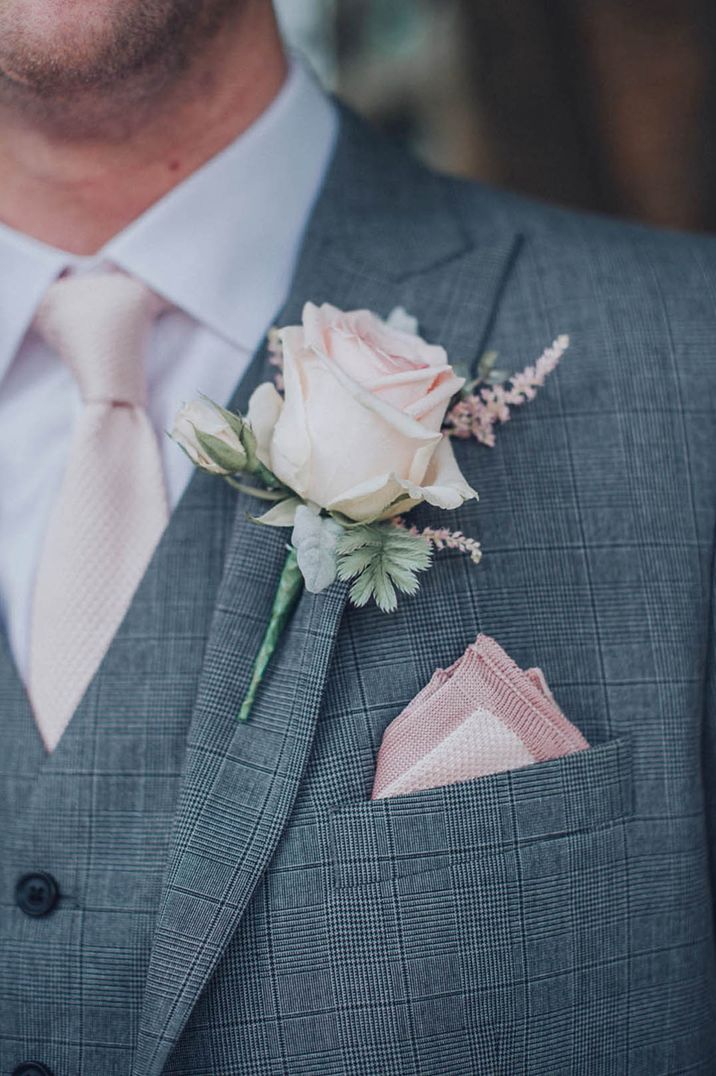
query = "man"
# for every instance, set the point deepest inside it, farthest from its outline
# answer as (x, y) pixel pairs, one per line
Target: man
(186, 893)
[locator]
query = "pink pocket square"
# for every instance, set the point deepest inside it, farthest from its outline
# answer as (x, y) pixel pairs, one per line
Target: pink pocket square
(482, 715)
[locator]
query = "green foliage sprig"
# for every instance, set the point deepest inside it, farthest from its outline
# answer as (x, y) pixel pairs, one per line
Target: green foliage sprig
(381, 559)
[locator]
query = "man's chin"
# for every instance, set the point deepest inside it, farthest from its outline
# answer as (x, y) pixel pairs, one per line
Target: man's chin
(55, 46)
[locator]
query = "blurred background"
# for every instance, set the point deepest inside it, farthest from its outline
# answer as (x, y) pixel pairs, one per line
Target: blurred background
(603, 104)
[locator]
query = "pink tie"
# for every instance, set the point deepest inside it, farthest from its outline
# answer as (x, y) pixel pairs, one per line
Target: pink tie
(112, 507)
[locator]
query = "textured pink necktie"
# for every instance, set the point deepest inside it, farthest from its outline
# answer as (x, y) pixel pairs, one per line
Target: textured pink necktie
(111, 508)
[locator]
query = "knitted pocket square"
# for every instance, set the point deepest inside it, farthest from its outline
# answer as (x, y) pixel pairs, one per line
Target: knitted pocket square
(482, 715)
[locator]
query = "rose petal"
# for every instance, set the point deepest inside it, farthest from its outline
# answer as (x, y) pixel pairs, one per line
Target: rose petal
(291, 442)
(430, 409)
(265, 407)
(401, 422)
(282, 514)
(372, 499)
(352, 444)
(445, 485)
(410, 390)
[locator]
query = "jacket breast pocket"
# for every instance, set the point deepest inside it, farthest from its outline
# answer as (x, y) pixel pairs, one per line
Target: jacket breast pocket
(483, 926)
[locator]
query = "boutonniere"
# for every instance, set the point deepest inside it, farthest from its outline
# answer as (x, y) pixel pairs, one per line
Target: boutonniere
(354, 433)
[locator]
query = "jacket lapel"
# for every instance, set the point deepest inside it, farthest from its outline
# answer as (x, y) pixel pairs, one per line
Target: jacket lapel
(381, 235)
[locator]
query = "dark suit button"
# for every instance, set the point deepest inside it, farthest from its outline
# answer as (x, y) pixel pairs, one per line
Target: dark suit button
(36, 894)
(32, 1068)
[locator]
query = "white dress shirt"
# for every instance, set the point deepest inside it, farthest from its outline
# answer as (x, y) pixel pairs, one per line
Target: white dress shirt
(221, 247)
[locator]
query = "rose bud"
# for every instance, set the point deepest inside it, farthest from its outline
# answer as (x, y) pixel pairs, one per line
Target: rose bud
(208, 439)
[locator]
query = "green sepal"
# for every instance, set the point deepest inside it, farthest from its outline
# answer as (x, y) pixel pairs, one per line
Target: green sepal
(268, 478)
(248, 440)
(229, 459)
(232, 420)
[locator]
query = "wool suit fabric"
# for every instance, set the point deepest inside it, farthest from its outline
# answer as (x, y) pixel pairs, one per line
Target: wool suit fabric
(232, 902)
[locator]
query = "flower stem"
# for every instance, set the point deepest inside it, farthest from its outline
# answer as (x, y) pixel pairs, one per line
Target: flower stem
(254, 491)
(289, 589)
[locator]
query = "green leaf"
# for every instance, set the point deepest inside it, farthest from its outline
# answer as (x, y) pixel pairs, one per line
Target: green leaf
(487, 361)
(384, 592)
(382, 560)
(405, 579)
(359, 538)
(352, 564)
(315, 539)
(362, 591)
(486, 375)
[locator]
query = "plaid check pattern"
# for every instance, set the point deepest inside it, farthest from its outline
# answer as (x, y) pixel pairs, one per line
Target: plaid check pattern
(232, 901)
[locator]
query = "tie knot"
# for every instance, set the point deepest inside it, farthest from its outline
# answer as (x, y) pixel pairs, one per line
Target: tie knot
(98, 323)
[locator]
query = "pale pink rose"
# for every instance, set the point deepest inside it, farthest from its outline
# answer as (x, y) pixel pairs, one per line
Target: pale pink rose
(359, 429)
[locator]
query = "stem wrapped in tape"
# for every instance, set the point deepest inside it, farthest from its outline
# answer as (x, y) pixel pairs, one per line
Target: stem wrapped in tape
(288, 592)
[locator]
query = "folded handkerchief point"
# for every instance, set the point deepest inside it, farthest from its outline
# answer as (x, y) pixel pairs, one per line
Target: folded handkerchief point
(482, 715)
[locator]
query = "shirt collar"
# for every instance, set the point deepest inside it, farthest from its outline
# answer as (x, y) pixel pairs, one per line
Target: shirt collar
(27, 268)
(222, 244)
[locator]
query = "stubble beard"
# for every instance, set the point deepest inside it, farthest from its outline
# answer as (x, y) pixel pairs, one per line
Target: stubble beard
(104, 77)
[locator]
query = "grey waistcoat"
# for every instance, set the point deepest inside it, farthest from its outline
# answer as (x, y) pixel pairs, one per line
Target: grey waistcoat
(97, 814)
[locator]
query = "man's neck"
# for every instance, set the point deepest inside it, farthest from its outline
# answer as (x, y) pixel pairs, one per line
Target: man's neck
(76, 192)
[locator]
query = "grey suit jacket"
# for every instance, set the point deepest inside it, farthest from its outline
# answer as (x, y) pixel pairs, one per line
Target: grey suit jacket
(233, 901)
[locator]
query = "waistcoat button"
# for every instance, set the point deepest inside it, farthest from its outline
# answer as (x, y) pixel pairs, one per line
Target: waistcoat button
(36, 894)
(31, 1068)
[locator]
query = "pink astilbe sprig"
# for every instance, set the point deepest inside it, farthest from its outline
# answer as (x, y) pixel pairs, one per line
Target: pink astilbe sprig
(476, 415)
(275, 357)
(442, 538)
